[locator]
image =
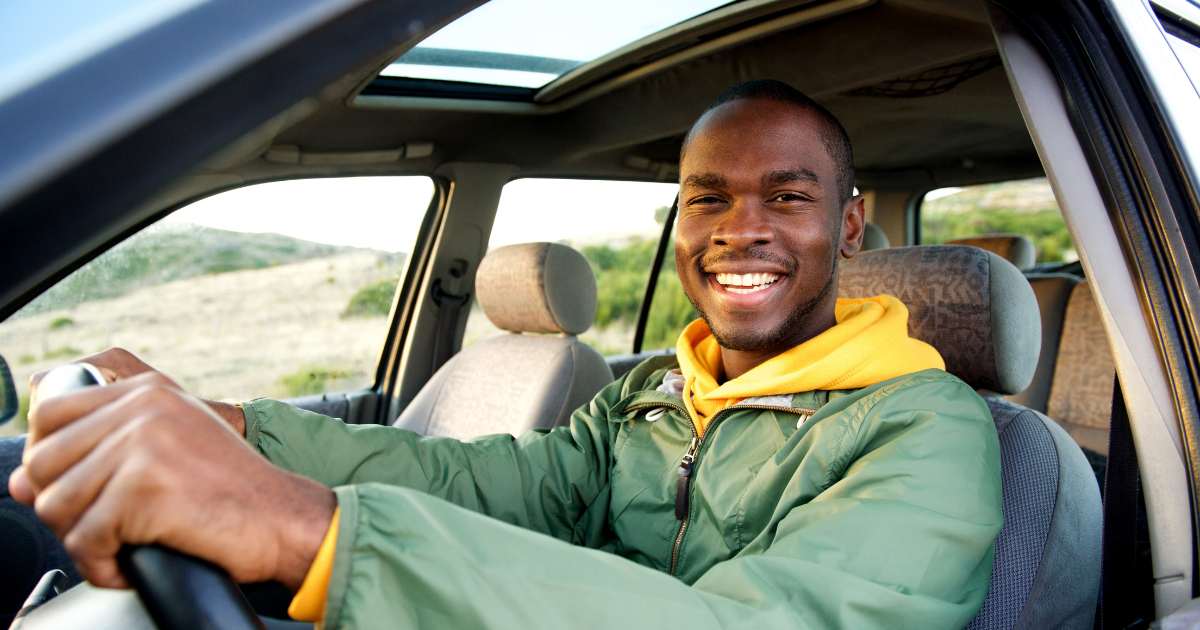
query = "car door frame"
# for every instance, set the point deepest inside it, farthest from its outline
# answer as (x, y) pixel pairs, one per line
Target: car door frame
(1124, 176)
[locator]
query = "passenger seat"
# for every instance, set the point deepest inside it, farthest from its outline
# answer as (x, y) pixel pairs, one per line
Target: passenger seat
(1014, 248)
(536, 373)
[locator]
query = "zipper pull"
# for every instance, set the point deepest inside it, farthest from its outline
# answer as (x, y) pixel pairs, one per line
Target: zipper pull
(683, 484)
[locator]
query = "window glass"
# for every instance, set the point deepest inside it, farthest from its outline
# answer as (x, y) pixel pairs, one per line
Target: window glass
(670, 310)
(1025, 207)
(280, 289)
(615, 225)
(499, 44)
(1188, 53)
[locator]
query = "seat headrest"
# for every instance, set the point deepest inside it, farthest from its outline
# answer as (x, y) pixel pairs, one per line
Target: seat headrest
(537, 287)
(1014, 248)
(976, 308)
(874, 238)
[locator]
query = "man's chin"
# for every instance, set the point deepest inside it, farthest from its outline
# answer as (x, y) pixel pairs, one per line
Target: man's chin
(747, 337)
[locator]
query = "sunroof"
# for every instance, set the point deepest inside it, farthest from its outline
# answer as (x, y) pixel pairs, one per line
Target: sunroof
(529, 43)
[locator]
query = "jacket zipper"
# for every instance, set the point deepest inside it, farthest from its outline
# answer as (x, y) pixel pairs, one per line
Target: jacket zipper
(688, 463)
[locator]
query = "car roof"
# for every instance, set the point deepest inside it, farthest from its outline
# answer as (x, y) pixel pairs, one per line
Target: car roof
(918, 84)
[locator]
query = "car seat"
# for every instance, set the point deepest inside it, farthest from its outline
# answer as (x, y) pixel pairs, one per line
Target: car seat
(980, 313)
(543, 295)
(1014, 248)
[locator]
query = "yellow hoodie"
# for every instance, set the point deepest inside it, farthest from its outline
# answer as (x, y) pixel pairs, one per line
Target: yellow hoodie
(869, 344)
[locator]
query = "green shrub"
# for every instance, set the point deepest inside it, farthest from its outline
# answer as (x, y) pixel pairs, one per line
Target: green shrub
(61, 322)
(26, 359)
(373, 300)
(315, 380)
(21, 421)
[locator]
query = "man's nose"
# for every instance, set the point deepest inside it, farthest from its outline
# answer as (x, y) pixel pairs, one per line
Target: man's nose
(743, 226)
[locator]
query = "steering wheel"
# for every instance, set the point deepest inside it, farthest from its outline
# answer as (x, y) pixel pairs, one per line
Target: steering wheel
(178, 591)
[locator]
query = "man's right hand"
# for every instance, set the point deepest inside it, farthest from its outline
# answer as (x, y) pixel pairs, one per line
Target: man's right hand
(118, 364)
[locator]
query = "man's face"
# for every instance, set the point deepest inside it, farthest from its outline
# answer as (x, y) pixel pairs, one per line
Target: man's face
(761, 225)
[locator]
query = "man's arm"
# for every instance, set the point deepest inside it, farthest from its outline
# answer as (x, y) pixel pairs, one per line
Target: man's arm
(543, 480)
(896, 542)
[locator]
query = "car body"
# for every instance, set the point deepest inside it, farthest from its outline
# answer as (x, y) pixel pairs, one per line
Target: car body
(1096, 96)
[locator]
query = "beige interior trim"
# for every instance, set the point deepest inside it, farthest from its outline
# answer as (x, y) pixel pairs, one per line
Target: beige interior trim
(470, 212)
(1143, 378)
(682, 34)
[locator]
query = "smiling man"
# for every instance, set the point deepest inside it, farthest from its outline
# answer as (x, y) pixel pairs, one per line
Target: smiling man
(801, 463)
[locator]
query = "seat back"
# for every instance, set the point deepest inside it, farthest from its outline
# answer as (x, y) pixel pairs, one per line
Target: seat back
(981, 314)
(535, 373)
(1052, 291)
(1082, 390)
(1014, 248)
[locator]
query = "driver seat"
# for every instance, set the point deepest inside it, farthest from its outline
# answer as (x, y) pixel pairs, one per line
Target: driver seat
(980, 313)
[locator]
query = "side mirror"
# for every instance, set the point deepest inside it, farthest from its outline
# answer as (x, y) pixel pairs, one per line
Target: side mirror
(9, 403)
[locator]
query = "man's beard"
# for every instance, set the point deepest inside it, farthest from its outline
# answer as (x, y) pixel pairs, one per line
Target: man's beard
(760, 340)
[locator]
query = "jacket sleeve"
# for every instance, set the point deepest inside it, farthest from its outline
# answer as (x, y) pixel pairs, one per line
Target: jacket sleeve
(903, 539)
(545, 480)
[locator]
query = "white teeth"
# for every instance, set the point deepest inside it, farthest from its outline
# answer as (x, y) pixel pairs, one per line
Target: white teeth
(746, 282)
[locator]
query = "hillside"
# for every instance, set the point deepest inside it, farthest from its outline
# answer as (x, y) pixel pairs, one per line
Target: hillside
(167, 253)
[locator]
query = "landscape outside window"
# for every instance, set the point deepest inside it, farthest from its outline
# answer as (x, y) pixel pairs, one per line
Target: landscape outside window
(280, 289)
(1026, 207)
(616, 225)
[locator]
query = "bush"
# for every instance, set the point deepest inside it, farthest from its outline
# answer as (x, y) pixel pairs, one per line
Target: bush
(61, 322)
(373, 300)
(315, 380)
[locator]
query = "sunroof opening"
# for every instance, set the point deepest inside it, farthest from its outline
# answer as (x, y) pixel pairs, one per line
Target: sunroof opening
(529, 43)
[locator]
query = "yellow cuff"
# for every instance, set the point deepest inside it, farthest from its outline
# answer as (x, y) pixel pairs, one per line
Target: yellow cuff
(309, 602)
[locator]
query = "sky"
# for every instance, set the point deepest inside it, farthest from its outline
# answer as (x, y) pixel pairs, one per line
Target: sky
(384, 213)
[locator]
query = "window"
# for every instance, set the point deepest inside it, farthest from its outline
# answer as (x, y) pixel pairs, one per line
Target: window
(670, 310)
(1188, 52)
(498, 43)
(280, 289)
(1025, 207)
(615, 225)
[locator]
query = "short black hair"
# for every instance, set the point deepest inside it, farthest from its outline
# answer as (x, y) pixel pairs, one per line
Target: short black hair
(834, 136)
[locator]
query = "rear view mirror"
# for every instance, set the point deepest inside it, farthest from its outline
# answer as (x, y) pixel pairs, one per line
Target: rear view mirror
(8, 393)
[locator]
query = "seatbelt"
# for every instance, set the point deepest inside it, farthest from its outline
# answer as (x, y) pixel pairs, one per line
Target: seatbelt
(1126, 591)
(449, 305)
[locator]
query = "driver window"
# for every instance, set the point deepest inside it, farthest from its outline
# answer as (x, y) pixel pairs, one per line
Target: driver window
(280, 289)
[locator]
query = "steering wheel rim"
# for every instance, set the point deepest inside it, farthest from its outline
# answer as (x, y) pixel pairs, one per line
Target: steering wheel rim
(178, 591)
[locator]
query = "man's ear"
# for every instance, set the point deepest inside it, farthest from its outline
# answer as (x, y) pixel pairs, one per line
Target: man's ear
(854, 224)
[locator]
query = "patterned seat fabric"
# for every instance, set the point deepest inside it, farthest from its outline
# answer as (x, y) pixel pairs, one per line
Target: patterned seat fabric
(980, 312)
(1082, 391)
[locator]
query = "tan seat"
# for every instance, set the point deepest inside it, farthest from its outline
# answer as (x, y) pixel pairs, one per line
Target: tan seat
(537, 372)
(1081, 393)
(1014, 248)
(1052, 291)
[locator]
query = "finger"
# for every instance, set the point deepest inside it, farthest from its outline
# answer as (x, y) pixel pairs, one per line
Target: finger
(51, 414)
(61, 503)
(95, 539)
(19, 487)
(53, 454)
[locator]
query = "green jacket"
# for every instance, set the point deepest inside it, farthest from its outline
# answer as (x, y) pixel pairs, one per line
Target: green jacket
(871, 508)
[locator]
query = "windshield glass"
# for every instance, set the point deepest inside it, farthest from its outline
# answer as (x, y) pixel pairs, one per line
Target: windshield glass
(529, 43)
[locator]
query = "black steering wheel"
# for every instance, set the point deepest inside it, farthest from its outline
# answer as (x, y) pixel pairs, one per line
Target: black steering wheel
(179, 591)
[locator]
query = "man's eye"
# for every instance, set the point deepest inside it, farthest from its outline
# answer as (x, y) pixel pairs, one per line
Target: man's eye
(705, 200)
(791, 198)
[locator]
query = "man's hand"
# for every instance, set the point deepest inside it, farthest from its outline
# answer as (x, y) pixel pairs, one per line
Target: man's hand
(118, 364)
(139, 462)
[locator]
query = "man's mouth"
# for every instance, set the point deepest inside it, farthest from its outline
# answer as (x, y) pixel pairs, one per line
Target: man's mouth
(745, 283)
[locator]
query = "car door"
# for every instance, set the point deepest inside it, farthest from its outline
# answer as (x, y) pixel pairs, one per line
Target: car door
(1111, 111)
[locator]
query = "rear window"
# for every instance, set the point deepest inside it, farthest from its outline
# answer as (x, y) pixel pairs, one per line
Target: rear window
(1026, 207)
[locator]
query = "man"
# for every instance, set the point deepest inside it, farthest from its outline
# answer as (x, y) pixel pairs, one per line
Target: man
(802, 463)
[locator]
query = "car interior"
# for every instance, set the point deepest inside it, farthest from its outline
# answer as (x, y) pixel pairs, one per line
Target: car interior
(929, 103)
